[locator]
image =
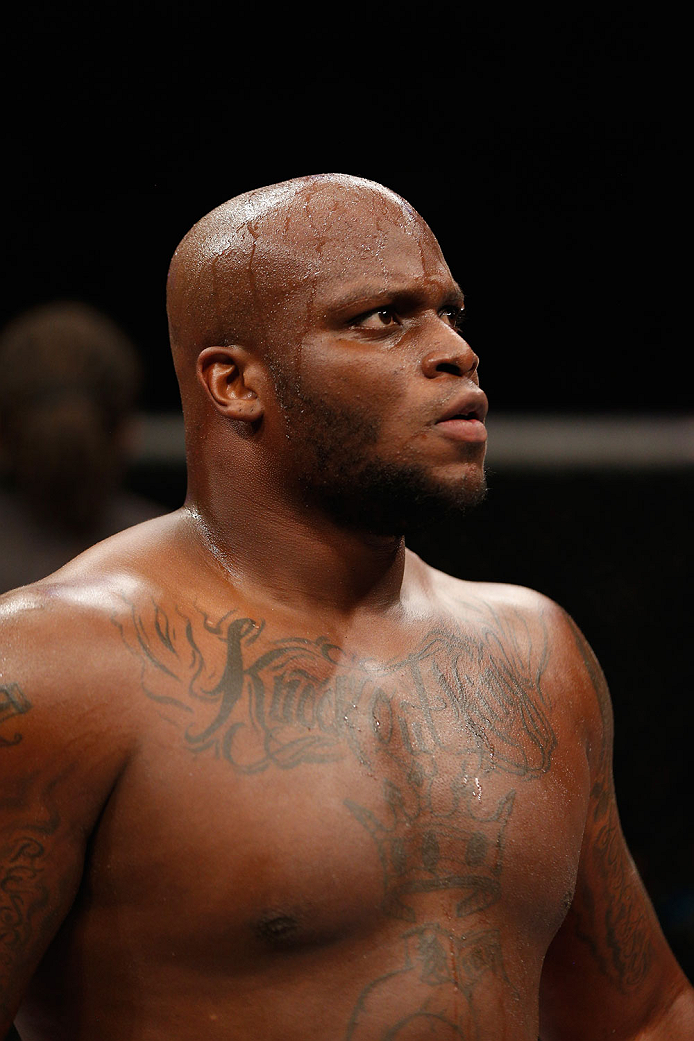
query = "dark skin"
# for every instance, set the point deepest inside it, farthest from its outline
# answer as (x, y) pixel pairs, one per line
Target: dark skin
(266, 774)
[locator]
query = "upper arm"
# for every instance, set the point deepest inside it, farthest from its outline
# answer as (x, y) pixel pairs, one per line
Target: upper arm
(54, 777)
(40, 852)
(609, 971)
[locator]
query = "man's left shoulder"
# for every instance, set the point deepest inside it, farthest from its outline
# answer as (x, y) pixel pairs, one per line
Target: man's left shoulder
(514, 614)
(464, 597)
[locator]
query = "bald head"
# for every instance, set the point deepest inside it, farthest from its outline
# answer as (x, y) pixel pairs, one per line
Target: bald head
(314, 325)
(242, 270)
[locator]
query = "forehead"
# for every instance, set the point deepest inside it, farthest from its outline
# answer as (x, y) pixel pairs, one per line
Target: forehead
(326, 240)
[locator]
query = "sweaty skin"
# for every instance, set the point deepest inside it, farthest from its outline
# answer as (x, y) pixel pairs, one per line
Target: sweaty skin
(264, 774)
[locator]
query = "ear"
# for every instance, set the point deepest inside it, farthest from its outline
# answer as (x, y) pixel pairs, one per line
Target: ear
(228, 375)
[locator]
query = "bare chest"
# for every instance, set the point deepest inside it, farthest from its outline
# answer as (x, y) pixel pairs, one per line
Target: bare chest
(287, 793)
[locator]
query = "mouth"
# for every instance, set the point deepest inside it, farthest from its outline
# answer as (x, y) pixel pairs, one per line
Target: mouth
(470, 405)
(464, 419)
(473, 414)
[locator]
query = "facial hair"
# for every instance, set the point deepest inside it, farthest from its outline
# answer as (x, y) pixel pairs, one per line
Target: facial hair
(341, 472)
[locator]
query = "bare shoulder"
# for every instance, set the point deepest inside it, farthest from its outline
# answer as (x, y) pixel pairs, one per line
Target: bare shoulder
(463, 596)
(536, 627)
(90, 589)
(64, 668)
(60, 717)
(72, 609)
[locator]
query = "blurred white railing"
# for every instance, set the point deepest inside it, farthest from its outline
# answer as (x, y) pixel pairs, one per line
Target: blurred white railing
(515, 440)
(590, 441)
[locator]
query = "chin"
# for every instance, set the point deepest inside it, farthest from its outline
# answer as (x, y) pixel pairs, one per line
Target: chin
(398, 501)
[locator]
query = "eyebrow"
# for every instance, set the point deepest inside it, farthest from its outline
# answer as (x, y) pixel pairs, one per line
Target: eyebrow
(368, 296)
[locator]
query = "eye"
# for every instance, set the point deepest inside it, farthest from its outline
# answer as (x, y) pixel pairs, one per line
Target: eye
(455, 316)
(382, 317)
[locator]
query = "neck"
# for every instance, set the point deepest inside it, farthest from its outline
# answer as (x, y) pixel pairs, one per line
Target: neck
(298, 559)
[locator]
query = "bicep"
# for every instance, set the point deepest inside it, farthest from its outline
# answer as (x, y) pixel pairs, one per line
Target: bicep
(40, 870)
(57, 768)
(41, 847)
(609, 964)
(66, 734)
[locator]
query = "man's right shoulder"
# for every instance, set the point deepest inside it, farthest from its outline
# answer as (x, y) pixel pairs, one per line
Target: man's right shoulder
(62, 652)
(69, 717)
(73, 614)
(66, 641)
(63, 617)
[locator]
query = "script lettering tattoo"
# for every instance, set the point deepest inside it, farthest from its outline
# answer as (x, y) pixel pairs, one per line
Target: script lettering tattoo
(275, 709)
(300, 700)
(433, 725)
(614, 927)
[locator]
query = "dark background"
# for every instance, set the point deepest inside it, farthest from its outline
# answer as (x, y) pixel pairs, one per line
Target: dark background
(545, 150)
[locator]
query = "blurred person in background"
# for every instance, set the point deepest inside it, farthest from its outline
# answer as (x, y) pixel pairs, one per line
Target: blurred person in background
(69, 382)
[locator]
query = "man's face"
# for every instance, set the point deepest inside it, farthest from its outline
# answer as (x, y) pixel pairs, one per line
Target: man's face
(373, 367)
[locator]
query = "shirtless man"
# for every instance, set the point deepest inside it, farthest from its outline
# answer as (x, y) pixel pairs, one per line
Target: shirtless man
(264, 774)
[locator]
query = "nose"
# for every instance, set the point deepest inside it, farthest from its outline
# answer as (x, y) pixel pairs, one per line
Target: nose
(456, 357)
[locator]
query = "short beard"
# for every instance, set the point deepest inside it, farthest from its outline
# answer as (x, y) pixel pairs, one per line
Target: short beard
(340, 474)
(386, 499)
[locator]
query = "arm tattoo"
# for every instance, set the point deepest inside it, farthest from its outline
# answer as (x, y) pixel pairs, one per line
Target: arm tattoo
(24, 893)
(24, 897)
(12, 703)
(613, 924)
(433, 725)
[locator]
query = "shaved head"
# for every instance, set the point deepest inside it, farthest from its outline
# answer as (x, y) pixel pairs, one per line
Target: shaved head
(240, 270)
(314, 332)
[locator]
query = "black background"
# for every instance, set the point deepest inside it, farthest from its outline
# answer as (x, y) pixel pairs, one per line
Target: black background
(544, 147)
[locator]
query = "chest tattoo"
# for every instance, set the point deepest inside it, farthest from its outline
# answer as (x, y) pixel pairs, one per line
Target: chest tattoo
(432, 724)
(280, 703)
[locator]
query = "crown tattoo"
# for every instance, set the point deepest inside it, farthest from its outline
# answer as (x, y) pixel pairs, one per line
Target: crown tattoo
(423, 852)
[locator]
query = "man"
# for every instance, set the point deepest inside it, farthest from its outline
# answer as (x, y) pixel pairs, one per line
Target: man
(267, 775)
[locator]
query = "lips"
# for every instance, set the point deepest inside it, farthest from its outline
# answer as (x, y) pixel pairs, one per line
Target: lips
(472, 405)
(463, 419)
